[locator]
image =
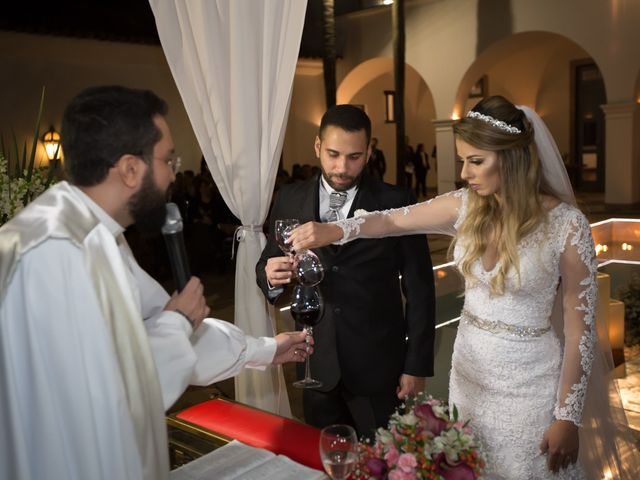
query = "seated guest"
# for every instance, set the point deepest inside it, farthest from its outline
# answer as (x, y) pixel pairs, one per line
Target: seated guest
(93, 350)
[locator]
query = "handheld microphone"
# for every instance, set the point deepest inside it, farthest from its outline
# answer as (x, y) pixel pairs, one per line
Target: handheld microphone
(173, 239)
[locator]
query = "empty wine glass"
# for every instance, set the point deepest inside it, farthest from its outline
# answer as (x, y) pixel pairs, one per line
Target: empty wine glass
(309, 269)
(338, 450)
(283, 230)
(306, 308)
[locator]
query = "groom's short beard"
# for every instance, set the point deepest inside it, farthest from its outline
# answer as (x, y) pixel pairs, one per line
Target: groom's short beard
(148, 205)
(342, 188)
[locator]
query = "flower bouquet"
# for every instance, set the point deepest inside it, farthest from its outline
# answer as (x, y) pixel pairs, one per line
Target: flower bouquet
(423, 441)
(18, 189)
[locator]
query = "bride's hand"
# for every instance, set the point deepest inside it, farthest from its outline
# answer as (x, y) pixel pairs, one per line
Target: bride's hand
(314, 235)
(561, 444)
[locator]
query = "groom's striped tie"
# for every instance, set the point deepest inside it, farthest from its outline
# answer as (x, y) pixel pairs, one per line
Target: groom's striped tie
(336, 202)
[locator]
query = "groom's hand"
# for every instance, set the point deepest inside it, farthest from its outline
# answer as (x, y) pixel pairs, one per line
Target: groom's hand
(410, 385)
(279, 270)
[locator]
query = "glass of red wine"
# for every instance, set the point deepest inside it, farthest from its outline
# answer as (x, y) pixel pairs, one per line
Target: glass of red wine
(283, 230)
(306, 309)
(309, 269)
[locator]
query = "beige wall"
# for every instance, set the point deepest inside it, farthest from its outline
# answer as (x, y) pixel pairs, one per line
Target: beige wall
(553, 99)
(449, 44)
(535, 73)
(65, 66)
(307, 107)
(419, 111)
(443, 52)
(442, 39)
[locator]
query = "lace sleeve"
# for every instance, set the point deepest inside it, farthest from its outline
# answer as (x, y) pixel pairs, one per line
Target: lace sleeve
(438, 215)
(578, 269)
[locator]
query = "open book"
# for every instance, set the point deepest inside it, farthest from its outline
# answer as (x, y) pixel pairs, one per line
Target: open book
(239, 461)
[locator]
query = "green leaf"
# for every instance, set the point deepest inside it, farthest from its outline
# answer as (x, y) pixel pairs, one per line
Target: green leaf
(18, 173)
(24, 157)
(3, 152)
(36, 137)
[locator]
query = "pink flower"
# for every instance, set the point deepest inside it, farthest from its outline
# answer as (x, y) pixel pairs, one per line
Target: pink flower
(400, 475)
(432, 423)
(407, 463)
(396, 435)
(392, 456)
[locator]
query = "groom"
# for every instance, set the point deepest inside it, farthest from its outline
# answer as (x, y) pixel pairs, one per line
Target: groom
(370, 350)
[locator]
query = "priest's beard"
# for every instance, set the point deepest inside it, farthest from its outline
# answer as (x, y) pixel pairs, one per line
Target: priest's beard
(148, 206)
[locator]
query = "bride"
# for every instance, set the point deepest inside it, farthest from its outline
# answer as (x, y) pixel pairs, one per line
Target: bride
(528, 365)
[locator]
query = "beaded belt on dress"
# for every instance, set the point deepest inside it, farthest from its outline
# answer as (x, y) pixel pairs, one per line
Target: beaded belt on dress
(496, 326)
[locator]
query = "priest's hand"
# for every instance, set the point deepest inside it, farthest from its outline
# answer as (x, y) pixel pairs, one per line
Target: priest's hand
(279, 270)
(561, 444)
(292, 347)
(410, 386)
(314, 235)
(190, 302)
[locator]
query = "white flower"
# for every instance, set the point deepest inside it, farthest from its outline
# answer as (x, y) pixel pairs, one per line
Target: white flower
(17, 192)
(384, 436)
(360, 212)
(409, 419)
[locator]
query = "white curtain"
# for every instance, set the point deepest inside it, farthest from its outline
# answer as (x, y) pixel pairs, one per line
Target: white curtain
(234, 62)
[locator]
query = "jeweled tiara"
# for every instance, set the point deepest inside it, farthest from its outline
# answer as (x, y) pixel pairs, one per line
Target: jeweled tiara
(495, 122)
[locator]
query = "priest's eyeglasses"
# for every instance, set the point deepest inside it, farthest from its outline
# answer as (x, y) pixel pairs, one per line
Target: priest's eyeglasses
(174, 162)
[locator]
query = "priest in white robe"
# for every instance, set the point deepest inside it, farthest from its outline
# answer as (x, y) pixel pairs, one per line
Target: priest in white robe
(92, 349)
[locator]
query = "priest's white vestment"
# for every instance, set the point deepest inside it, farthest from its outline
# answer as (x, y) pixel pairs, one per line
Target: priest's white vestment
(82, 391)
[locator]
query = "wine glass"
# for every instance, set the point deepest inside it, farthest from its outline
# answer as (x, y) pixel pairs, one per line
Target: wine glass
(283, 230)
(309, 269)
(338, 450)
(306, 308)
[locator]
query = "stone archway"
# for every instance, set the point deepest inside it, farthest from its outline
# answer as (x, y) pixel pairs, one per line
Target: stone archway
(535, 69)
(365, 85)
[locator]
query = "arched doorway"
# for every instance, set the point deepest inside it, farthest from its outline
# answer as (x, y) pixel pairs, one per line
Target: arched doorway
(366, 85)
(558, 78)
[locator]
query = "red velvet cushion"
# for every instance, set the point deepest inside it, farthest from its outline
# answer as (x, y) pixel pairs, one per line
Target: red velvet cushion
(260, 429)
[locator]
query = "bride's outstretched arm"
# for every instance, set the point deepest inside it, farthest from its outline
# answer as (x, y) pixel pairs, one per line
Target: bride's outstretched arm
(438, 215)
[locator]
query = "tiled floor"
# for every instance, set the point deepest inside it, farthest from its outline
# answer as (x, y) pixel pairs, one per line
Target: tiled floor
(630, 387)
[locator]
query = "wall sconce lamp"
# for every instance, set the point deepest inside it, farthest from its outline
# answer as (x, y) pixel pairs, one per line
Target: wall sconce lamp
(51, 141)
(390, 113)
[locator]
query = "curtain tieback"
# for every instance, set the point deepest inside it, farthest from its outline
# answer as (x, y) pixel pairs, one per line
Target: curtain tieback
(239, 234)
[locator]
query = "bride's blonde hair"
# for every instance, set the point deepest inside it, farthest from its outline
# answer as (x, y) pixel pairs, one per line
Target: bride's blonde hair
(519, 211)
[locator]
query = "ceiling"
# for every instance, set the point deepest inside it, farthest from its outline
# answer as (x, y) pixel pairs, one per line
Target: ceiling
(132, 20)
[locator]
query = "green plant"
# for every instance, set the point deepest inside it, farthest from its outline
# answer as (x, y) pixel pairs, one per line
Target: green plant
(20, 179)
(630, 295)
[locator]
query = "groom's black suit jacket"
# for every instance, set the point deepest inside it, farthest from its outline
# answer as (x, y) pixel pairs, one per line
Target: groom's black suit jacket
(362, 336)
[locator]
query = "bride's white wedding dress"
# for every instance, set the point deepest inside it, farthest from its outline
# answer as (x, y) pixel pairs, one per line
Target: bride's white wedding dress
(507, 372)
(513, 373)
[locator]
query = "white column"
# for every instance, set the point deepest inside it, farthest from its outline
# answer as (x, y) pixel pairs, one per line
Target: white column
(622, 156)
(446, 155)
